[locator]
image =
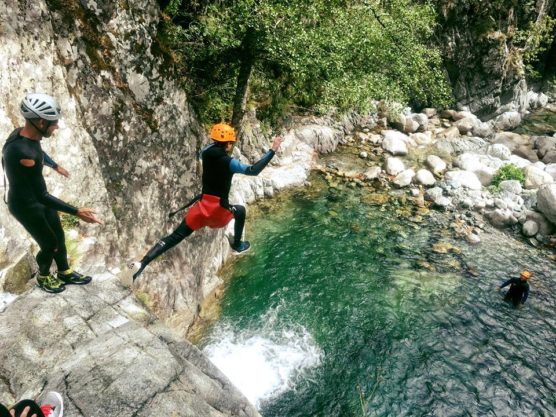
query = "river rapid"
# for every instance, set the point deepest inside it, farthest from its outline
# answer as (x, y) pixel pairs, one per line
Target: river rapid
(355, 302)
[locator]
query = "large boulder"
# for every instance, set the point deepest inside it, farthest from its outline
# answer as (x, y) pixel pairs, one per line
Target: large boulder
(425, 177)
(403, 179)
(482, 130)
(535, 177)
(499, 151)
(546, 201)
(508, 120)
(511, 140)
(395, 142)
(551, 169)
(465, 179)
(544, 144)
(393, 166)
(436, 164)
(501, 217)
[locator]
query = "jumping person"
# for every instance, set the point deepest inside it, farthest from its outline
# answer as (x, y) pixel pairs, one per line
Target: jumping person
(28, 199)
(213, 209)
(519, 289)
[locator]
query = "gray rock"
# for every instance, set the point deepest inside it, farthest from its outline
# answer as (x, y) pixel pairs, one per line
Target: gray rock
(482, 130)
(403, 179)
(466, 125)
(433, 193)
(501, 217)
(525, 151)
(545, 227)
(544, 144)
(550, 157)
(466, 179)
(372, 173)
(436, 164)
(546, 201)
(393, 166)
(551, 170)
(499, 151)
(511, 186)
(429, 112)
(508, 120)
(535, 177)
(511, 140)
(425, 177)
(530, 228)
(103, 341)
(395, 142)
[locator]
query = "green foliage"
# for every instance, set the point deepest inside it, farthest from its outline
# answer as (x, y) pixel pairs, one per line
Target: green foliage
(508, 172)
(306, 55)
(69, 221)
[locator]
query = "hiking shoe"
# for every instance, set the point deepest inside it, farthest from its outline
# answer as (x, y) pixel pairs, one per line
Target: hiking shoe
(50, 283)
(52, 405)
(72, 277)
(242, 247)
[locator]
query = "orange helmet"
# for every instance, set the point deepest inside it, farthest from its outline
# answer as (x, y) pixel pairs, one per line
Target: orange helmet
(525, 275)
(223, 132)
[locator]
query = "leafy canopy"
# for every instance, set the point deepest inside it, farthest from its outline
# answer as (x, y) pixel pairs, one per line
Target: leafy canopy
(313, 55)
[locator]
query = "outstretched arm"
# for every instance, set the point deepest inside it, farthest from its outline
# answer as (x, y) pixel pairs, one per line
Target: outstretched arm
(238, 168)
(508, 282)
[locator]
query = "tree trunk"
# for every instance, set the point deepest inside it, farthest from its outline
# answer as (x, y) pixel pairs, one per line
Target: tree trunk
(247, 58)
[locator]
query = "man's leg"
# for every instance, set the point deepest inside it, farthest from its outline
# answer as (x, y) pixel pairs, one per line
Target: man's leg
(4, 411)
(35, 222)
(181, 232)
(67, 275)
(239, 215)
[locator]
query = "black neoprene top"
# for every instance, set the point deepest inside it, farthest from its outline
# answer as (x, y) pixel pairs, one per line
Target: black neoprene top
(27, 185)
(219, 168)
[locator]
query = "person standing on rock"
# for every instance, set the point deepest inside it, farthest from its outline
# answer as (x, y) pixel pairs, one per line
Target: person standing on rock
(212, 208)
(519, 289)
(28, 199)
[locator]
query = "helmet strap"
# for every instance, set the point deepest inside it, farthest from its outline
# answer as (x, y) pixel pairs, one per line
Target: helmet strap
(43, 131)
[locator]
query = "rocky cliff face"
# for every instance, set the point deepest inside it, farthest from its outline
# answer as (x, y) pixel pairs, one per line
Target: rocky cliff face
(130, 139)
(484, 65)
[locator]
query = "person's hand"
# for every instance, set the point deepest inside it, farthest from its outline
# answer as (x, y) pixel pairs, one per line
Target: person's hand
(24, 413)
(277, 142)
(62, 171)
(87, 215)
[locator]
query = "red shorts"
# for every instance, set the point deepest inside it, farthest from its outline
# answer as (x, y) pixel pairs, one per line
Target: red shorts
(208, 212)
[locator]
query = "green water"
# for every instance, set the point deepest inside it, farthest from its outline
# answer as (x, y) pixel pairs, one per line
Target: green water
(342, 309)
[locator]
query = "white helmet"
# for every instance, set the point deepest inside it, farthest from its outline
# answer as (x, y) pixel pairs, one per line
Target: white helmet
(40, 106)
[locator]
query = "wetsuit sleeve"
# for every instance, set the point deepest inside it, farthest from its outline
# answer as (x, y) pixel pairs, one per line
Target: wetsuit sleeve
(505, 284)
(48, 161)
(39, 187)
(525, 295)
(238, 168)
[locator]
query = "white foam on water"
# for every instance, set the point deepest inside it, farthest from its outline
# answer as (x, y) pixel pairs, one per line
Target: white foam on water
(263, 364)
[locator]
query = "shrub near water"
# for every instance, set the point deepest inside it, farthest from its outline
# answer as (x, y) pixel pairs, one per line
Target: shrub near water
(508, 172)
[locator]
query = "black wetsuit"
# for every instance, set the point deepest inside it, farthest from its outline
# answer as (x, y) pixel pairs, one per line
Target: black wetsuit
(31, 204)
(518, 292)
